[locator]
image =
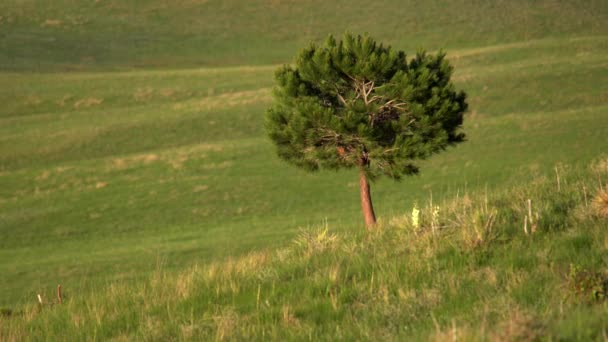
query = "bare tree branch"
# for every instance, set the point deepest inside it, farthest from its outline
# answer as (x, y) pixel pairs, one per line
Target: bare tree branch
(342, 99)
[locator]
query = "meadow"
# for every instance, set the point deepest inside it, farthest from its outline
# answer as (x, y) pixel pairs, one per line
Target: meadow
(523, 264)
(131, 134)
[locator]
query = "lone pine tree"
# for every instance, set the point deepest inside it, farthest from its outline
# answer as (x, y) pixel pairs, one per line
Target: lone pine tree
(355, 103)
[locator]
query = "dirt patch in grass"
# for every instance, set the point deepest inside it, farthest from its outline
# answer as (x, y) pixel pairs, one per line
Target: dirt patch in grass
(100, 185)
(174, 158)
(52, 23)
(88, 102)
(200, 188)
(131, 161)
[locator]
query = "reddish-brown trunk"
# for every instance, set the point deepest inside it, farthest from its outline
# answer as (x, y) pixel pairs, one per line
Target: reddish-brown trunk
(366, 201)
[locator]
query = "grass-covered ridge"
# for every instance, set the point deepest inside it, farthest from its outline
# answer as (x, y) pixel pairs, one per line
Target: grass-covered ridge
(115, 34)
(477, 266)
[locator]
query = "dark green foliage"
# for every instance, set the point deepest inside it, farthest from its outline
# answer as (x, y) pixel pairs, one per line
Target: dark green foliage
(355, 103)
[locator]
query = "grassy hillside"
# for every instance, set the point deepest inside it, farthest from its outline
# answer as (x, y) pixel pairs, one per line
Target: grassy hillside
(470, 269)
(104, 173)
(110, 34)
(119, 151)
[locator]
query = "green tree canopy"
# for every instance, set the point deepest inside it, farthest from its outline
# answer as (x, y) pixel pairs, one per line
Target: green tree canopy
(356, 103)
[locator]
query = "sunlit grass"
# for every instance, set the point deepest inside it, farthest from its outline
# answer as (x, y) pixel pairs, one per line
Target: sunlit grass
(468, 270)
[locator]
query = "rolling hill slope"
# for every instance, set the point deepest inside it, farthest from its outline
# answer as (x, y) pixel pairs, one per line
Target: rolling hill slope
(132, 133)
(114, 34)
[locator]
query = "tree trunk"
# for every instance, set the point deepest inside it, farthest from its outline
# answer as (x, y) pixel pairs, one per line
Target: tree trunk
(366, 201)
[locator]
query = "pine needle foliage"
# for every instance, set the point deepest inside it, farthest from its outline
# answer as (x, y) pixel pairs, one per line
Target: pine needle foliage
(355, 103)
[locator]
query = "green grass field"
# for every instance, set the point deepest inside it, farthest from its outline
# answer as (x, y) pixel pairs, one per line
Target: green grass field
(132, 134)
(469, 269)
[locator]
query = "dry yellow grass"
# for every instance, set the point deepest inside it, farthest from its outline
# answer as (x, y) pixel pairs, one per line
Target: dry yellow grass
(174, 158)
(100, 185)
(143, 94)
(519, 326)
(52, 23)
(64, 100)
(200, 188)
(225, 323)
(600, 166)
(88, 102)
(132, 161)
(185, 282)
(600, 202)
